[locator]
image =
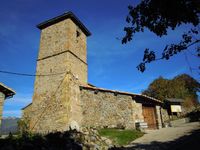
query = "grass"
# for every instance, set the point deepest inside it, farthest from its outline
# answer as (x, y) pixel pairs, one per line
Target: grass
(120, 137)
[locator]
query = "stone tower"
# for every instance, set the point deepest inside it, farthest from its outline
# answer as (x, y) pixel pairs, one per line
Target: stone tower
(61, 68)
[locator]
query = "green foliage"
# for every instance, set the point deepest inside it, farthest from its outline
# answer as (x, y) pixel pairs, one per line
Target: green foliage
(120, 137)
(51, 141)
(182, 86)
(194, 115)
(158, 88)
(23, 125)
(158, 16)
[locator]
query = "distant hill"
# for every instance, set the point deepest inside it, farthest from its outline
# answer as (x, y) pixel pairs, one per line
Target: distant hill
(9, 125)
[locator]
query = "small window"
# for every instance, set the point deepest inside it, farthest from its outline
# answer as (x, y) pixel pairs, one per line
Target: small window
(78, 33)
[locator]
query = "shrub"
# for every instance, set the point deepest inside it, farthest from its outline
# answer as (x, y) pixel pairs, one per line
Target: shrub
(51, 141)
(194, 115)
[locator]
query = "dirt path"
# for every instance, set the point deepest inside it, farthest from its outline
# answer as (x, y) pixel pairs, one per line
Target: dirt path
(183, 137)
(168, 134)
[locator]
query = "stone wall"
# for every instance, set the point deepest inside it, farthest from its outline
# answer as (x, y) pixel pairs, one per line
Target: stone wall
(107, 109)
(50, 112)
(2, 98)
(158, 117)
(165, 116)
(56, 68)
(59, 111)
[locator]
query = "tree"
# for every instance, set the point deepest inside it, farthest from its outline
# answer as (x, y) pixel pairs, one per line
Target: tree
(160, 15)
(182, 86)
(158, 88)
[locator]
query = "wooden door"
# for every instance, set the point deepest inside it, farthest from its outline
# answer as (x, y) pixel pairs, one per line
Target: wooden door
(149, 116)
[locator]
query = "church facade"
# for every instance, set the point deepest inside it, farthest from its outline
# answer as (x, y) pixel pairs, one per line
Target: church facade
(62, 97)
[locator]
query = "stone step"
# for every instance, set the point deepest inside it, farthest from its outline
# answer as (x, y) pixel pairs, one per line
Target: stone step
(141, 125)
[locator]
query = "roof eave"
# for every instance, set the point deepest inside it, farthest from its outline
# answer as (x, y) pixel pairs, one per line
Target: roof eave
(8, 91)
(26, 106)
(61, 18)
(120, 92)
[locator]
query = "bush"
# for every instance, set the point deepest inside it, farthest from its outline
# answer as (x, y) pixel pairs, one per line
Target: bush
(23, 125)
(52, 141)
(194, 115)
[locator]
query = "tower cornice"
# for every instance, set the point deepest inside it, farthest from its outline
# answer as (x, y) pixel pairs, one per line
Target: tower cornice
(62, 17)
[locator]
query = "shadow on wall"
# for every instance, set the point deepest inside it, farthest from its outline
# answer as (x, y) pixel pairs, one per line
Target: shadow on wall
(187, 142)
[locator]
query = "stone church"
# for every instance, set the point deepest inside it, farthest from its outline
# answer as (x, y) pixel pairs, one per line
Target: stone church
(62, 97)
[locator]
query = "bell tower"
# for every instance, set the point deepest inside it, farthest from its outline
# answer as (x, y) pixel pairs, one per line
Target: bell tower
(61, 66)
(63, 47)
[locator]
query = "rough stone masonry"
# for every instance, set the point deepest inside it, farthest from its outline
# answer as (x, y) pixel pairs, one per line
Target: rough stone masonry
(62, 97)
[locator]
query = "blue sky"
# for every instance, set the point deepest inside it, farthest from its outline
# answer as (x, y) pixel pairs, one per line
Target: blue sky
(110, 64)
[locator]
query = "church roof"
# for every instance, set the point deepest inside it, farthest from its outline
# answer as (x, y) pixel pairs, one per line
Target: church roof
(26, 106)
(63, 17)
(139, 97)
(6, 90)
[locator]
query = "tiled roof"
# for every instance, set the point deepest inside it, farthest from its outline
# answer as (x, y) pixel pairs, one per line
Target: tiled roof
(121, 92)
(6, 90)
(26, 106)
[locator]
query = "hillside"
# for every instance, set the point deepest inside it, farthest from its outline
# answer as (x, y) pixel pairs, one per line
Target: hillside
(9, 125)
